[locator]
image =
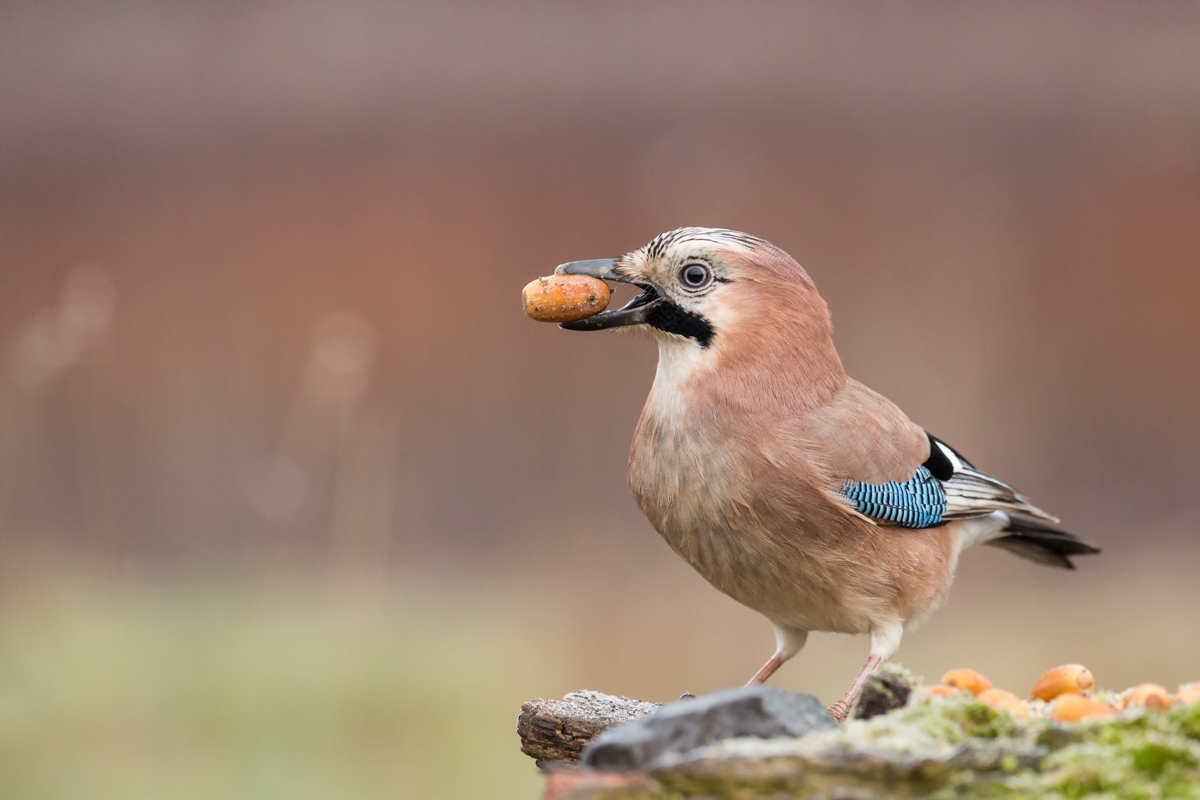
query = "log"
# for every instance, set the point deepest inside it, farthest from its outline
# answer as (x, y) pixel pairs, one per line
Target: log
(556, 731)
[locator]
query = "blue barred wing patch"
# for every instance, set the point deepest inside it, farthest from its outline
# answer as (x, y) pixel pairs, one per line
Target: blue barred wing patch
(918, 502)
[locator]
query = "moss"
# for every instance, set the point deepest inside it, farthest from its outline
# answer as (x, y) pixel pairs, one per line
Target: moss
(930, 724)
(979, 721)
(958, 748)
(1141, 755)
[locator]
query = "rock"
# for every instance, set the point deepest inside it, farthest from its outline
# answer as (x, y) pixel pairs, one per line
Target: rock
(763, 712)
(554, 731)
(804, 768)
(883, 692)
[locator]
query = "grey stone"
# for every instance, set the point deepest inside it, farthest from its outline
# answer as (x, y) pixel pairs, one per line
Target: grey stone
(811, 768)
(764, 712)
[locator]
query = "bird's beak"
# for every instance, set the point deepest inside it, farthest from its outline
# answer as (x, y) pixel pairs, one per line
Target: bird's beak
(634, 312)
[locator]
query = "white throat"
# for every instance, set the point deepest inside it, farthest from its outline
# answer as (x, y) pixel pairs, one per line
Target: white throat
(679, 360)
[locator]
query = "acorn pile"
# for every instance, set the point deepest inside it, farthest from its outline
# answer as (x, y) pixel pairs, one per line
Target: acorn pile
(1065, 694)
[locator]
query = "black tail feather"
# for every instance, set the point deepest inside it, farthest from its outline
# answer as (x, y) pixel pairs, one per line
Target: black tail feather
(1042, 543)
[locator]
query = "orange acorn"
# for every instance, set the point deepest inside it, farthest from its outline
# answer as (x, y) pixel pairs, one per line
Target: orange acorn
(1003, 700)
(1148, 695)
(1072, 707)
(941, 690)
(1188, 693)
(1060, 680)
(968, 680)
(565, 298)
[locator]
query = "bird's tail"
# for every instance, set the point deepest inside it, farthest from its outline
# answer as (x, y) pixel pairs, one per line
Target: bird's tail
(1042, 543)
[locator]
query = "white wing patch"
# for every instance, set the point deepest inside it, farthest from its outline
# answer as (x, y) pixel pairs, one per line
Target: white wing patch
(971, 493)
(950, 455)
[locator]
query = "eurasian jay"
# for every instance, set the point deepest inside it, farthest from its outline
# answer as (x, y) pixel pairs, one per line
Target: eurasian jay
(788, 485)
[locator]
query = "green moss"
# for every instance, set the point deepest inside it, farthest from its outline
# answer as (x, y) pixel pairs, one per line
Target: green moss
(930, 724)
(1139, 755)
(1146, 755)
(958, 748)
(979, 721)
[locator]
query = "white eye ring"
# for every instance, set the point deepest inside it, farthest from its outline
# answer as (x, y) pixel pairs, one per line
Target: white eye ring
(694, 275)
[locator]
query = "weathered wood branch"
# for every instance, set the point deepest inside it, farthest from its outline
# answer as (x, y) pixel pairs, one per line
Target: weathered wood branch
(558, 730)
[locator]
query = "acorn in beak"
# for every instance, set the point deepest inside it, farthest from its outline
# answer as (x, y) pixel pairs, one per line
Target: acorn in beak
(635, 312)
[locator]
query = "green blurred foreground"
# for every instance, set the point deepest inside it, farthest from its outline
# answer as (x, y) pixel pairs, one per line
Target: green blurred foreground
(303, 686)
(295, 692)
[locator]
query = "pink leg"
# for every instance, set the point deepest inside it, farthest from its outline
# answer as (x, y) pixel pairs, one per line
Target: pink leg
(841, 709)
(768, 669)
(788, 642)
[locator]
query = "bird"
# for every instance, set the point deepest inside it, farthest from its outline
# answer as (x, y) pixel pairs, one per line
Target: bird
(788, 485)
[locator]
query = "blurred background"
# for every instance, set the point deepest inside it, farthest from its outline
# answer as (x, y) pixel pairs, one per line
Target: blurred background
(295, 503)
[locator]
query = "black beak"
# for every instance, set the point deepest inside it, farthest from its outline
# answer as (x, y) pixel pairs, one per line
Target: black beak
(603, 268)
(635, 312)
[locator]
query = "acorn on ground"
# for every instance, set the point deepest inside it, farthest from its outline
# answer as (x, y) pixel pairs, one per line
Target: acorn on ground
(1148, 695)
(1074, 678)
(1188, 693)
(1003, 700)
(968, 680)
(1072, 707)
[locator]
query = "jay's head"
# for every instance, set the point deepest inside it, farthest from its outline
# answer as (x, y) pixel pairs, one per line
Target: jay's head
(710, 289)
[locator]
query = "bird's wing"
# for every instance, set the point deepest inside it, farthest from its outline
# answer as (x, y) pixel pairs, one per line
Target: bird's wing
(943, 488)
(884, 467)
(919, 502)
(971, 493)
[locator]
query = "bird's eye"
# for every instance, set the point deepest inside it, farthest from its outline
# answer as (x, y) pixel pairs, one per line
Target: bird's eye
(694, 275)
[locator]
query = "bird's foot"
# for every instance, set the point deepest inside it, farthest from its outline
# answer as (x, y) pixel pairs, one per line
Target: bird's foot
(841, 709)
(687, 696)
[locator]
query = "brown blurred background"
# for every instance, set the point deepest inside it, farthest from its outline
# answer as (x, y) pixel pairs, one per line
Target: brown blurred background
(294, 502)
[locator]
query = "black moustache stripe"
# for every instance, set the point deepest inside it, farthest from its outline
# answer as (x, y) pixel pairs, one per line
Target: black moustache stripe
(668, 317)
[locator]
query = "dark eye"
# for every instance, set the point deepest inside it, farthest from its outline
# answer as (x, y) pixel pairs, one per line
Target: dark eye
(694, 275)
